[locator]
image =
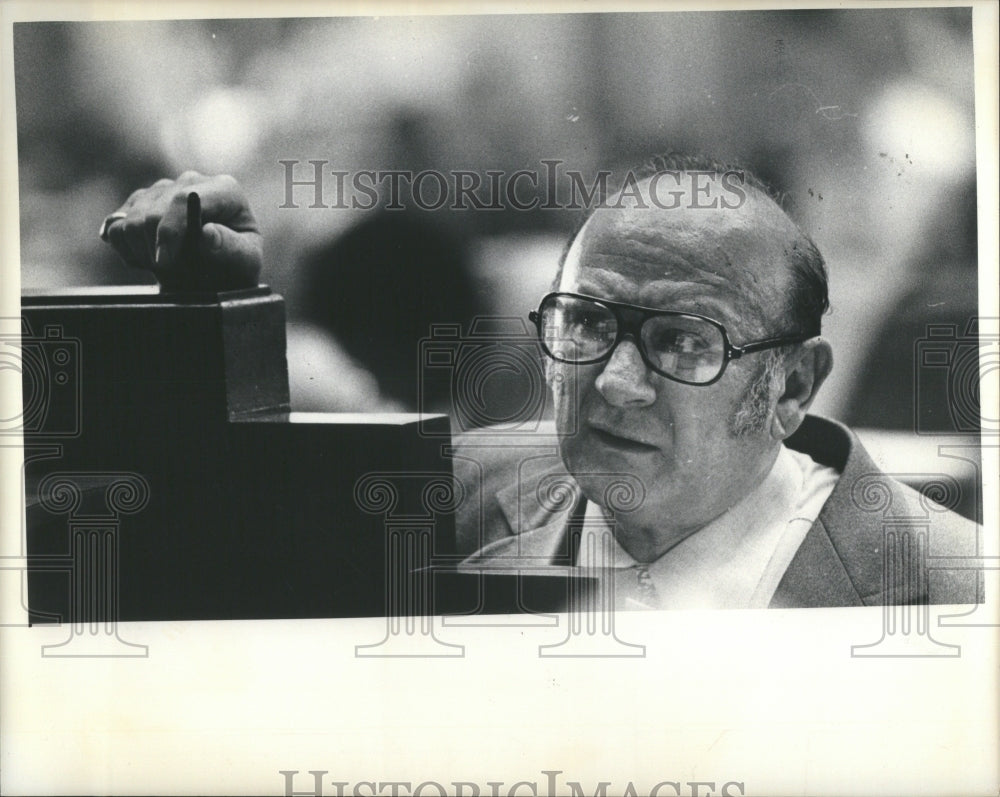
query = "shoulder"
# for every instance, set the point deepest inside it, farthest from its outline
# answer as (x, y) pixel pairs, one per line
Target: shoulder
(498, 471)
(892, 539)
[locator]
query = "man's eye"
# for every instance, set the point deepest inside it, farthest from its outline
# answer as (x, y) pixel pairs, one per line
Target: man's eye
(588, 323)
(680, 341)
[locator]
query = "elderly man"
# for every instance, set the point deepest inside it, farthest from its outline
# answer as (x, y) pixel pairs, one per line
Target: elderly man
(683, 351)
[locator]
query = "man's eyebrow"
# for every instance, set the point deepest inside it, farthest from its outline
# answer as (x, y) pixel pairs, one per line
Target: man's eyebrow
(688, 298)
(618, 288)
(685, 297)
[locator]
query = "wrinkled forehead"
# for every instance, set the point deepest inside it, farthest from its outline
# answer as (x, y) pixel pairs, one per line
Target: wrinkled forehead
(701, 248)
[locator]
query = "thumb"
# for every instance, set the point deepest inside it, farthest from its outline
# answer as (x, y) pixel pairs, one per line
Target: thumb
(211, 240)
(233, 259)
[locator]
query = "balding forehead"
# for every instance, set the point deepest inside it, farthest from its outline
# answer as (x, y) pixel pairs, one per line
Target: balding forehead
(741, 254)
(701, 199)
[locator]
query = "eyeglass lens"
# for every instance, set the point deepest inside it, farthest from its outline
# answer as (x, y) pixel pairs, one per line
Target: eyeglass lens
(576, 330)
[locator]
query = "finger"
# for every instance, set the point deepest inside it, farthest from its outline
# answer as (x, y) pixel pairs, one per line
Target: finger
(191, 177)
(223, 201)
(232, 258)
(109, 220)
(142, 199)
(130, 260)
(172, 229)
(150, 225)
(145, 199)
(133, 237)
(132, 199)
(121, 236)
(131, 229)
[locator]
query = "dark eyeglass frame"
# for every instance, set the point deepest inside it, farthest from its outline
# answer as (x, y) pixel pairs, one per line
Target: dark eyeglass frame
(632, 317)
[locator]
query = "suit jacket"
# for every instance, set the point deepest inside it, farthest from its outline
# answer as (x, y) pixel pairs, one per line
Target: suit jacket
(876, 541)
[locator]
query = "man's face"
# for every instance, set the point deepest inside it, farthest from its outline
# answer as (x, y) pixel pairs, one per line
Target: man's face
(619, 416)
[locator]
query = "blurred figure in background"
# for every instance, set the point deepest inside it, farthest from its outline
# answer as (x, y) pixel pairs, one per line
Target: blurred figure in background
(943, 292)
(844, 111)
(745, 499)
(378, 288)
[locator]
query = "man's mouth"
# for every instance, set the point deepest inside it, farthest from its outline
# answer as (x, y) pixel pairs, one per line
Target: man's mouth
(619, 442)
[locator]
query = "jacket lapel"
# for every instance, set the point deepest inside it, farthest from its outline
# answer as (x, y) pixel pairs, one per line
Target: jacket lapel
(816, 576)
(540, 547)
(839, 563)
(543, 490)
(537, 509)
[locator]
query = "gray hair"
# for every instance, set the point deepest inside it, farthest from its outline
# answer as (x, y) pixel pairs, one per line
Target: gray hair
(754, 410)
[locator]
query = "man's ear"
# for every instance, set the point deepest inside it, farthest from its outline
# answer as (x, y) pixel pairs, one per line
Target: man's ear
(805, 371)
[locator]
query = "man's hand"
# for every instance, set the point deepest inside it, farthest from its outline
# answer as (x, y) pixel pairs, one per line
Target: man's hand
(157, 229)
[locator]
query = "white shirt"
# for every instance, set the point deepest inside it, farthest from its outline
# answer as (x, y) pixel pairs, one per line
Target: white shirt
(735, 562)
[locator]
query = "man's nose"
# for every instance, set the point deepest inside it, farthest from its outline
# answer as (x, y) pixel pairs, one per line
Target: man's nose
(624, 381)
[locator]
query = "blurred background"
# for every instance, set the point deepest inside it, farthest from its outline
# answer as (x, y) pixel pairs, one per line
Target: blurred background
(863, 119)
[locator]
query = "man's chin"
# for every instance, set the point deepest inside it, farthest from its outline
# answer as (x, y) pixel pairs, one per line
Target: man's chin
(619, 483)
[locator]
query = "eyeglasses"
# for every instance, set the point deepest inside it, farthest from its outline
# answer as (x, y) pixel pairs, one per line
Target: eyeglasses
(684, 347)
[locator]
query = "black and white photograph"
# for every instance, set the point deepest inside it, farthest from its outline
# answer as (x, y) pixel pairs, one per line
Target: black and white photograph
(483, 399)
